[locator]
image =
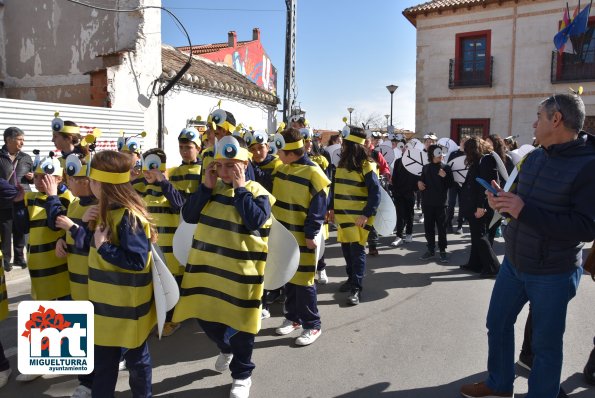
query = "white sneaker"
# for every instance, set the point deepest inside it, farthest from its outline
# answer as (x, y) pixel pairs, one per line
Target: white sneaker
(122, 365)
(421, 219)
(222, 362)
(81, 392)
(287, 327)
(240, 388)
(460, 231)
(26, 378)
(322, 278)
(408, 238)
(4, 376)
(265, 314)
(308, 336)
(397, 242)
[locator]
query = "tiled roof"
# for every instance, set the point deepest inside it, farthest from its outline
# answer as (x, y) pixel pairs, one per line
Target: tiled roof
(441, 5)
(213, 77)
(209, 48)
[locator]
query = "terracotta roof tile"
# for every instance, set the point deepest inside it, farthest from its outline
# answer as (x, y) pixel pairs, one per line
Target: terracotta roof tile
(208, 48)
(213, 77)
(441, 5)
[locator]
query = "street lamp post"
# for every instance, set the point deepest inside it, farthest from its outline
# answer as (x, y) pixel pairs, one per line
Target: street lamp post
(350, 110)
(387, 116)
(391, 89)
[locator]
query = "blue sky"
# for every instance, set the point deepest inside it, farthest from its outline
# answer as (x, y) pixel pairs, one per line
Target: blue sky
(348, 51)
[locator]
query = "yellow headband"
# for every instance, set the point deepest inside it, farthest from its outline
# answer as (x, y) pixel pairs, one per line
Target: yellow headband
(242, 155)
(70, 130)
(293, 145)
(356, 139)
(108, 177)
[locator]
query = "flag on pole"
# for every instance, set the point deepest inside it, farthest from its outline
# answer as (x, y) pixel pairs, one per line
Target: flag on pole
(579, 24)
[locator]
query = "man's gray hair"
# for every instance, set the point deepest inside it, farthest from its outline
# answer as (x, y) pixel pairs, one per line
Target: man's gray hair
(12, 132)
(571, 107)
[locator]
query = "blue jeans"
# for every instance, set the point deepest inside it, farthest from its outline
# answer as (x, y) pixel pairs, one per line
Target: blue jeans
(355, 261)
(230, 341)
(549, 296)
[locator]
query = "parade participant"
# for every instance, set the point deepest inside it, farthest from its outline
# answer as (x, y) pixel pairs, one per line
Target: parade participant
(186, 177)
(382, 169)
(552, 214)
(455, 192)
(7, 193)
(436, 178)
(132, 147)
(73, 248)
(473, 203)
(66, 135)
(313, 152)
(404, 186)
(120, 282)
(163, 202)
(223, 281)
(356, 196)
(16, 167)
(265, 165)
(220, 123)
(300, 188)
(71, 220)
(49, 273)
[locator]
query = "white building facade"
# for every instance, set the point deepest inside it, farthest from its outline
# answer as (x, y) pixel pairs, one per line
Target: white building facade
(483, 66)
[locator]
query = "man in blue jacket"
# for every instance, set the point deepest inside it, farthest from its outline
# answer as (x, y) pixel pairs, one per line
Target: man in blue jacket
(552, 214)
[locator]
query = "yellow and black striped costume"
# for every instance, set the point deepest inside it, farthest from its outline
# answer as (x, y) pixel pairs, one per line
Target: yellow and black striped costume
(139, 184)
(271, 166)
(224, 275)
(207, 156)
(123, 299)
(294, 186)
(319, 160)
(186, 178)
(350, 198)
(49, 274)
(166, 221)
(78, 259)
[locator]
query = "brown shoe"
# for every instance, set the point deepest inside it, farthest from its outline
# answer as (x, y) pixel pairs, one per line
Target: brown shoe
(372, 251)
(480, 390)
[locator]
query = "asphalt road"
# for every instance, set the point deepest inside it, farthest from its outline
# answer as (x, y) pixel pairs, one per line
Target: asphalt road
(418, 333)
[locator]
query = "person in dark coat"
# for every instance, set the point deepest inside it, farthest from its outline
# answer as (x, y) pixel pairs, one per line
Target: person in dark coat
(474, 207)
(16, 167)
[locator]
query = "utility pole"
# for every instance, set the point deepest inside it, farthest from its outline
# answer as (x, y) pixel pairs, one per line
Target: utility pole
(289, 91)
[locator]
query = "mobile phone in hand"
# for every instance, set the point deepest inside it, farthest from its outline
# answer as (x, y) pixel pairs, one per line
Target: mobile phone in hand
(487, 185)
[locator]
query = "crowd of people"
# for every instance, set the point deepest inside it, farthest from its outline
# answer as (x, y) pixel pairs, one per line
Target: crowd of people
(94, 218)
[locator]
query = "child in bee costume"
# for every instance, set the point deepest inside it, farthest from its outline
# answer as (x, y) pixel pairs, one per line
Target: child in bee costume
(300, 188)
(132, 147)
(223, 280)
(315, 154)
(74, 247)
(264, 162)
(220, 124)
(356, 196)
(66, 135)
(120, 280)
(163, 203)
(265, 165)
(49, 273)
(7, 193)
(186, 177)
